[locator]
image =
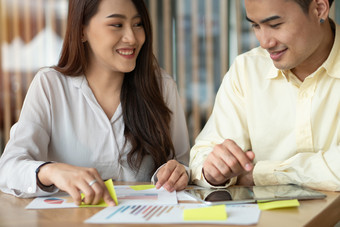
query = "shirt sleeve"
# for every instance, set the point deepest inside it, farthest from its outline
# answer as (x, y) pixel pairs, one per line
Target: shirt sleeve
(315, 170)
(227, 121)
(28, 145)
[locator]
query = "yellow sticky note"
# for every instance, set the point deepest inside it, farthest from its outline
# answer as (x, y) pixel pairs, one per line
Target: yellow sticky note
(278, 204)
(142, 187)
(217, 213)
(111, 188)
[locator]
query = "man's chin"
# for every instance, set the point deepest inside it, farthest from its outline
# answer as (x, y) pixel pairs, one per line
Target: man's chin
(281, 66)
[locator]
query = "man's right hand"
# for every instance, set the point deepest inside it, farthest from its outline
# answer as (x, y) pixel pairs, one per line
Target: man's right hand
(227, 160)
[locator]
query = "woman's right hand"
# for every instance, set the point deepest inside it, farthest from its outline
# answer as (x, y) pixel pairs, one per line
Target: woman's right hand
(75, 180)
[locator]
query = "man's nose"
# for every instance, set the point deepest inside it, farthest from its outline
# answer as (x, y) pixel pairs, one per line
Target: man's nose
(266, 39)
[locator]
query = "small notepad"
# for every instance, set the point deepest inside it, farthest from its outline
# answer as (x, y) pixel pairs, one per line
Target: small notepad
(142, 187)
(217, 213)
(278, 204)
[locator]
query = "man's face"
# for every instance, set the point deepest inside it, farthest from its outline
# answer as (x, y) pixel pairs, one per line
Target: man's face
(291, 36)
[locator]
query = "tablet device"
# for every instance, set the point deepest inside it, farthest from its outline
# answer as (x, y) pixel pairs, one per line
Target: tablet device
(252, 194)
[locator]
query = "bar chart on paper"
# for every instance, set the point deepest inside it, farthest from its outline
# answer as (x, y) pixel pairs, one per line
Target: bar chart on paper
(143, 212)
(237, 214)
(138, 214)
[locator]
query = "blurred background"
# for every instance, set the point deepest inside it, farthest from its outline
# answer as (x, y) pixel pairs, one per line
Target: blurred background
(195, 41)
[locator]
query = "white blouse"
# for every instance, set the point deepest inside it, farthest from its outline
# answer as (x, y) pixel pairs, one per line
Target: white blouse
(62, 121)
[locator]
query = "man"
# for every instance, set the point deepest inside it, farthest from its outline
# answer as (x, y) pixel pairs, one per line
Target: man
(276, 118)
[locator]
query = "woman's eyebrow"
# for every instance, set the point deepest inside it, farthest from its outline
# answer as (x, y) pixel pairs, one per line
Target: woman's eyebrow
(122, 16)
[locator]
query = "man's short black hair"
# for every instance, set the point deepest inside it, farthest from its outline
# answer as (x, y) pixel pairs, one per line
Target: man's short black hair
(305, 4)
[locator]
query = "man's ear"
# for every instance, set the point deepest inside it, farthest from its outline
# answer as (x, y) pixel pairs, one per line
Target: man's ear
(322, 9)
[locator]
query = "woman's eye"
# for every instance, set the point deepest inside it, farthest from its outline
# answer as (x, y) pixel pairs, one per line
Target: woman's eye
(116, 25)
(140, 24)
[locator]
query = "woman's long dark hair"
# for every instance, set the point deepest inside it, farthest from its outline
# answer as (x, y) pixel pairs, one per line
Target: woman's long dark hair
(146, 116)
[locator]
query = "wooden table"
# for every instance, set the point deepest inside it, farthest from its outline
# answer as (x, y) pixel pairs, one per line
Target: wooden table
(325, 212)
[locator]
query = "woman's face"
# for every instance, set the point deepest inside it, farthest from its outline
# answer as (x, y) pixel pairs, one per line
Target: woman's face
(115, 35)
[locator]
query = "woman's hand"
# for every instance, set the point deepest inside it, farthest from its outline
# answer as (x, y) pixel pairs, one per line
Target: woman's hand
(75, 180)
(172, 176)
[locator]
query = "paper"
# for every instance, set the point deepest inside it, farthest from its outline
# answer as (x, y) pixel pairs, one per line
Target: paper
(185, 198)
(279, 204)
(127, 195)
(142, 187)
(124, 195)
(205, 213)
(240, 214)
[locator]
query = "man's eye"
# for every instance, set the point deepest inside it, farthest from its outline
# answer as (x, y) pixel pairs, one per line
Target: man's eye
(275, 25)
(255, 26)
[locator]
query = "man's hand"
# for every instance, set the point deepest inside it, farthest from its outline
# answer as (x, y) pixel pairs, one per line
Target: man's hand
(227, 160)
(172, 176)
(246, 179)
(75, 180)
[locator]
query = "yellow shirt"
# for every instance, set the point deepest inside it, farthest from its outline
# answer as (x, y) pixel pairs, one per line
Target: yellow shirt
(293, 127)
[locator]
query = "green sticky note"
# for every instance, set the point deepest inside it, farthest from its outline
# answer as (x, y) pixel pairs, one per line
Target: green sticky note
(216, 213)
(111, 188)
(142, 187)
(278, 204)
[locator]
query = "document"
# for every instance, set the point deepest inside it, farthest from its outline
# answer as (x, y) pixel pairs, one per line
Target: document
(240, 214)
(125, 195)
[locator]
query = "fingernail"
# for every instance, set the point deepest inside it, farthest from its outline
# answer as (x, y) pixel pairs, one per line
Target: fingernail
(248, 167)
(111, 203)
(158, 185)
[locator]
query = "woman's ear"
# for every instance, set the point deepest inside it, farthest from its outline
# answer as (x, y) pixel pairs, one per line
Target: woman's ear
(83, 36)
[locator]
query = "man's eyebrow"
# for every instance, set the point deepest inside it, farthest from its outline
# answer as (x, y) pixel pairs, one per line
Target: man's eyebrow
(265, 20)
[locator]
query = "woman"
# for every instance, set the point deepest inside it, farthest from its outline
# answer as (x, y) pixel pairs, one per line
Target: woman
(105, 111)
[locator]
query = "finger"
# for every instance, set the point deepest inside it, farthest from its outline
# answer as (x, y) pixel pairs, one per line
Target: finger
(221, 161)
(250, 155)
(213, 176)
(105, 194)
(172, 180)
(98, 189)
(164, 173)
(233, 164)
(239, 154)
(87, 191)
(181, 183)
(101, 192)
(108, 199)
(74, 193)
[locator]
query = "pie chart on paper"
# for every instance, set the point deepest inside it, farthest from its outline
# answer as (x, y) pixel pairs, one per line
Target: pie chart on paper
(54, 201)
